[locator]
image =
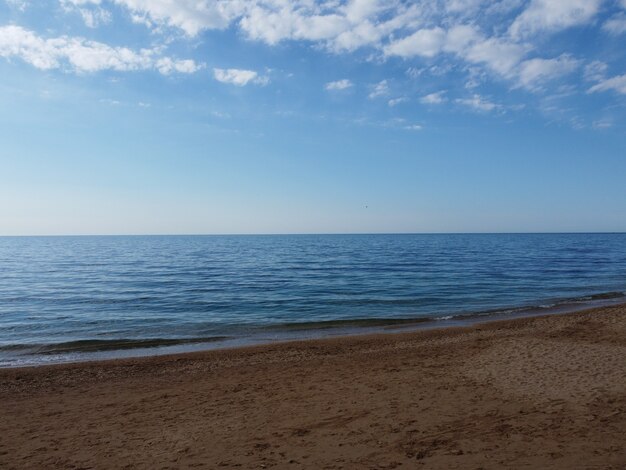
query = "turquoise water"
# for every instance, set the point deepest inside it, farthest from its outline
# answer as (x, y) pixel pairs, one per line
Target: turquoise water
(69, 298)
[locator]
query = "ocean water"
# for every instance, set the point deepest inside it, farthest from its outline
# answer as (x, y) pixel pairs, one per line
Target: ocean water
(76, 298)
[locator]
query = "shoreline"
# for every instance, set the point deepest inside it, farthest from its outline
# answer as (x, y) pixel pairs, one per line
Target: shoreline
(392, 332)
(81, 351)
(539, 391)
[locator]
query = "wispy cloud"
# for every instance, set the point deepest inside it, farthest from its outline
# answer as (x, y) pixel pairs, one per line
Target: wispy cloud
(459, 29)
(553, 15)
(500, 55)
(343, 84)
(595, 71)
(434, 98)
(617, 84)
(602, 124)
(239, 77)
(396, 101)
(380, 89)
(425, 43)
(92, 13)
(534, 72)
(466, 46)
(82, 55)
(616, 24)
(190, 16)
(478, 103)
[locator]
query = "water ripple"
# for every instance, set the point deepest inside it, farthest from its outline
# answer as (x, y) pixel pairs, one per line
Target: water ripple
(147, 290)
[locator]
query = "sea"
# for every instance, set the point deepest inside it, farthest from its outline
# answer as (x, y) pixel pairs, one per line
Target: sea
(78, 298)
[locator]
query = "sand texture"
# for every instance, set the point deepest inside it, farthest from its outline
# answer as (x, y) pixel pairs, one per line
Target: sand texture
(547, 392)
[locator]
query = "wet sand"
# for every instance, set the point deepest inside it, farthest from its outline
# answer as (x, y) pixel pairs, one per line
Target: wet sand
(545, 392)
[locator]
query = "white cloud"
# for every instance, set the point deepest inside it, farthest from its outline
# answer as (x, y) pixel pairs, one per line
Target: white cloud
(380, 89)
(476, 76)
(433, 98)
(534, 72)
(497, 54)
(553, 15)
(339, 25)
(425, 42)
(191, 16)
(94, 18)
(394, 27)
(287, 23)
(357, 10)
(339, 85)
(460, 6)
(239, 77)
(616, 24)
(414, 72)
(166, 65)
(460, 37)
(90, 11)
(478, 103)
(414, 127)
(595, 71)
(80, 55)
(358, 36)
(617, 84)
(369, 32)
(396, 101)
(472, 35)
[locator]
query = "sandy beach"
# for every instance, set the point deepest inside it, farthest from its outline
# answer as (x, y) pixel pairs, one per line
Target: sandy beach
(545, 392)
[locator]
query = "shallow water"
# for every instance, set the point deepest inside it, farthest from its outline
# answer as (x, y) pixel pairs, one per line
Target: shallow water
(66, 298)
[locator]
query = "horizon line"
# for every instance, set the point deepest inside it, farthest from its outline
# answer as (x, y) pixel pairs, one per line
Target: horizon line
(243, 234)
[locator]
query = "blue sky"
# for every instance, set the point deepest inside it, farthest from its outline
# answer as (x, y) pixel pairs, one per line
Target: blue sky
(303, 116)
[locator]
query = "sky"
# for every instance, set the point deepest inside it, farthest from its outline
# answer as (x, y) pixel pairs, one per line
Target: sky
(304, 116)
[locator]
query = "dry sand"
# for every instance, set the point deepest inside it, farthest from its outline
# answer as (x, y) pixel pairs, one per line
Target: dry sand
(545, 392)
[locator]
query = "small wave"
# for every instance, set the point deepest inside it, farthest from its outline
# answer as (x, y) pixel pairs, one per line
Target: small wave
(352, 322)
(95, 345)
(19, 347)
(386, 322)
(558, 305)
(601, 296)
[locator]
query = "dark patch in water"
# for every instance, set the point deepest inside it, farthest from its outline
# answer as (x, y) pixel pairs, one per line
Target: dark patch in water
(117, 344)
(604, 296)
(355, 322)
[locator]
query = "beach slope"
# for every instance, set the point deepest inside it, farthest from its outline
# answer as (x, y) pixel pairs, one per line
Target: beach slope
(545, 392)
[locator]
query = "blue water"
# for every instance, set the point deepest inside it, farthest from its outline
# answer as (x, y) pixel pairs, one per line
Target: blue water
(66, 297)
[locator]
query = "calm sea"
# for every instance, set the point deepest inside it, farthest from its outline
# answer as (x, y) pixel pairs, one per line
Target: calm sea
(75, 298)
